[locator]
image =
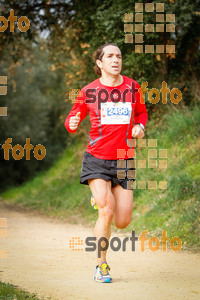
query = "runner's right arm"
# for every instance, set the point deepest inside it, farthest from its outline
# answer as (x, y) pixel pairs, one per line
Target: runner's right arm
(77, 114)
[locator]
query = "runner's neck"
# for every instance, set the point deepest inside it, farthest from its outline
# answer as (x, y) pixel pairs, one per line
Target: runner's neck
(110, 81)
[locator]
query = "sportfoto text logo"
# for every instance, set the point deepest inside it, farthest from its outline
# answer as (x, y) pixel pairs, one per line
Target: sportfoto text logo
(102, 95)
(76, 244)
(23, 23)
(28, 147)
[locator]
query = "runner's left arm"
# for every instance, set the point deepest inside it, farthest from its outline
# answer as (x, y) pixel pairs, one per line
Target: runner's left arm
(140, 111)
(79, 106)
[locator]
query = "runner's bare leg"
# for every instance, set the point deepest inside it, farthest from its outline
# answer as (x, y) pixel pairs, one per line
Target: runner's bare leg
(123, 206)
(101, 190)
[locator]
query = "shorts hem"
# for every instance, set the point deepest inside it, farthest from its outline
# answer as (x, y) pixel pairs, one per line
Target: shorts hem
(85, 180)
(113, 182)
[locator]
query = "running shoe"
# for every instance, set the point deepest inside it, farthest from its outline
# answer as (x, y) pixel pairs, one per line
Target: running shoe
(93, 203)
(101, 273)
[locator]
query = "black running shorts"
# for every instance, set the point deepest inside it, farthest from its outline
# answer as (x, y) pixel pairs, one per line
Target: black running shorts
(117, 171)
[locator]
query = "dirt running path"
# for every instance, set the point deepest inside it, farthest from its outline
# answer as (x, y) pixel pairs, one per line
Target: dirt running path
(39, 260)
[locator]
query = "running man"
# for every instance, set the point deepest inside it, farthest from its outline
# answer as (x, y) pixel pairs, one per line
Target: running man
(113, 102)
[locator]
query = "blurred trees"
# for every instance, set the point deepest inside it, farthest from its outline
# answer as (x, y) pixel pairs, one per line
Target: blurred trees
(35, 103)
(44, 15)
(178, 70)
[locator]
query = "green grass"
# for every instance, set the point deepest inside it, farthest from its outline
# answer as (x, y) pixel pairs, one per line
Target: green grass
(11, 292)
(57, 192)
(177, 208)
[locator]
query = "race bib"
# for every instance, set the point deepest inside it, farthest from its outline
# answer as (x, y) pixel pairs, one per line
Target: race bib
(116, 113)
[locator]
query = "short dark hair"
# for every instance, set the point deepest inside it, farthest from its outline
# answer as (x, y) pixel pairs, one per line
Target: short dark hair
(98, 54)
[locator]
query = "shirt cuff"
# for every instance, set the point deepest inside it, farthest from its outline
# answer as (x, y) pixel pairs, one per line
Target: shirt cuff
(141, 125)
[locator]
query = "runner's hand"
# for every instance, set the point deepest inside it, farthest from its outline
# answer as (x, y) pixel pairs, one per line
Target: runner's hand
(74, 121)
(137, 132)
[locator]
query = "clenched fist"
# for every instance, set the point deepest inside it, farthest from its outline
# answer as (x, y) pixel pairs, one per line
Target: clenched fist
(73, 122)
(137, 132)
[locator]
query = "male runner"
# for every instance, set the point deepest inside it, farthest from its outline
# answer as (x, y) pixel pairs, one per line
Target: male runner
(113, 102)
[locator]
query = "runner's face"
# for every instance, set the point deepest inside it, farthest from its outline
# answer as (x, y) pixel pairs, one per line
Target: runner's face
(111, 62)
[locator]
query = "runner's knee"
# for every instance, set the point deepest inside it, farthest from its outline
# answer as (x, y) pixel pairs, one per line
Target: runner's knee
(121, 224)
(107, 213)
(106, 207)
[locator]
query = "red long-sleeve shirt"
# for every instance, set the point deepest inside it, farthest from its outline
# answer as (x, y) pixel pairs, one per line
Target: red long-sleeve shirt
(111, 122)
